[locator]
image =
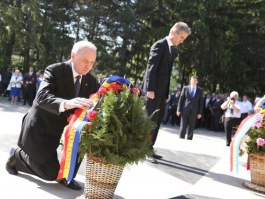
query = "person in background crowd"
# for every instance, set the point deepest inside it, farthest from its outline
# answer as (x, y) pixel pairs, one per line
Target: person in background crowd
(174, 118)
(6, 76)
(9, 86)
(171, 113)
(256, 100)
(255, 108)
(65, 87)
(206, 111)
(158, 72)
(260, 104)
(190, 107)
(30, 79)
(232, 115)
(166, 110)
(246, 107)
(217, 112)
(16, 83)
(40, 76)
(210, 106)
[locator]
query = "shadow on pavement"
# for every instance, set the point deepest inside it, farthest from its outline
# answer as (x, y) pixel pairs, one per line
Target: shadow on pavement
(189, 167)
(192, 197)
(53, 187)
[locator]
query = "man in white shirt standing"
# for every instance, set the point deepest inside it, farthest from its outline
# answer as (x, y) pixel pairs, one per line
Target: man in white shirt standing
(246, 107)
(232, 115)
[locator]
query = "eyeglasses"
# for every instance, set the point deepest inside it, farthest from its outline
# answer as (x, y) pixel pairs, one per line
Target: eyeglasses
(88, 62)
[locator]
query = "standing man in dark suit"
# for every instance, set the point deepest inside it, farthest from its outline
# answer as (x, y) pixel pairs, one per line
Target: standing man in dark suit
(190, 107)
(157, 76)
(217, 113)
(43, 125)
(6, 77)
(30, 79)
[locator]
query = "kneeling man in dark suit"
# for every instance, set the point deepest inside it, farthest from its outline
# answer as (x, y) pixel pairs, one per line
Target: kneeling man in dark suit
(65, 87)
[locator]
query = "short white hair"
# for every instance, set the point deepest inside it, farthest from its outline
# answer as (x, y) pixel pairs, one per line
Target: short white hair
(234, 94)
(83, 44)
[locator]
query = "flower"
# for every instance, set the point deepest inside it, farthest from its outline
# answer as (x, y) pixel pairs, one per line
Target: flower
(260, 142)
(92, 115)
(119, 132)
(254, 141)
(136, 90)
(102, 91)
(258, 125)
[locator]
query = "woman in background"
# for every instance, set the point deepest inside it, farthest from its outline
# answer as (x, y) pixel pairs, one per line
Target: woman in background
(15, 82)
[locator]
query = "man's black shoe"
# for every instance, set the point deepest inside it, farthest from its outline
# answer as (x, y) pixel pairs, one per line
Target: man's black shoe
(11, 163)
(72, 185)
(151, 160)
(157, 156)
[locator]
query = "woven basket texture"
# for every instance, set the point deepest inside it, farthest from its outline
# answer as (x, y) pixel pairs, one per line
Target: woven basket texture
(101, 179)
(257, 169)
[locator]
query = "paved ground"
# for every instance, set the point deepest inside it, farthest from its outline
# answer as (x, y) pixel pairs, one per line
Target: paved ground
(190, 169)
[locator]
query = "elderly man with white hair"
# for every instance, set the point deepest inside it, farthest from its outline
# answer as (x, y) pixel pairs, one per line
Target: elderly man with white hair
(65, 87)
(232, 115)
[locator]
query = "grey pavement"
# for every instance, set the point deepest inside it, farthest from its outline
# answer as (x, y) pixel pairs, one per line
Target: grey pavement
(197, 169)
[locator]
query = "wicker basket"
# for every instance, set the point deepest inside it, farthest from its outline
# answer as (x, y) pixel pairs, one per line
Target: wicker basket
(101, 179)
(257, 169)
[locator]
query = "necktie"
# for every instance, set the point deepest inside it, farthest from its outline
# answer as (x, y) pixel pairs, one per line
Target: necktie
(192, 92)
(77, 85)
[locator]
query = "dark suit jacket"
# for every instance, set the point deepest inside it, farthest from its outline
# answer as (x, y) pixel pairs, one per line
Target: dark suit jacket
(188, 104)
(32, 78)
(217, 111)
(43, 125)
(159, 67)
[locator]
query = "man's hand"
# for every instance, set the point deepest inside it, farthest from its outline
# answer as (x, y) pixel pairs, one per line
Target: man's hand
(77, 103)
(178, 113)
(150, 94)
(199, 116)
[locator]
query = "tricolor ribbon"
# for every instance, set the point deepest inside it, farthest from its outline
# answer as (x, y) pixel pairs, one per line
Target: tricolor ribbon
(78, 120)
(71, 140)
(242, 130)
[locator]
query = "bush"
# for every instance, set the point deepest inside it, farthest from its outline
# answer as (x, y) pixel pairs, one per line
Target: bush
(119, 131)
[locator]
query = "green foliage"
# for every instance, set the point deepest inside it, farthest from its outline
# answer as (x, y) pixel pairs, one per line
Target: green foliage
(226, 36)
(120, 132)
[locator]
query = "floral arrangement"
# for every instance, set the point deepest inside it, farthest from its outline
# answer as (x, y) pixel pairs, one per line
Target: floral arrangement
(249, 138)
(118, 131)
(254, 141)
